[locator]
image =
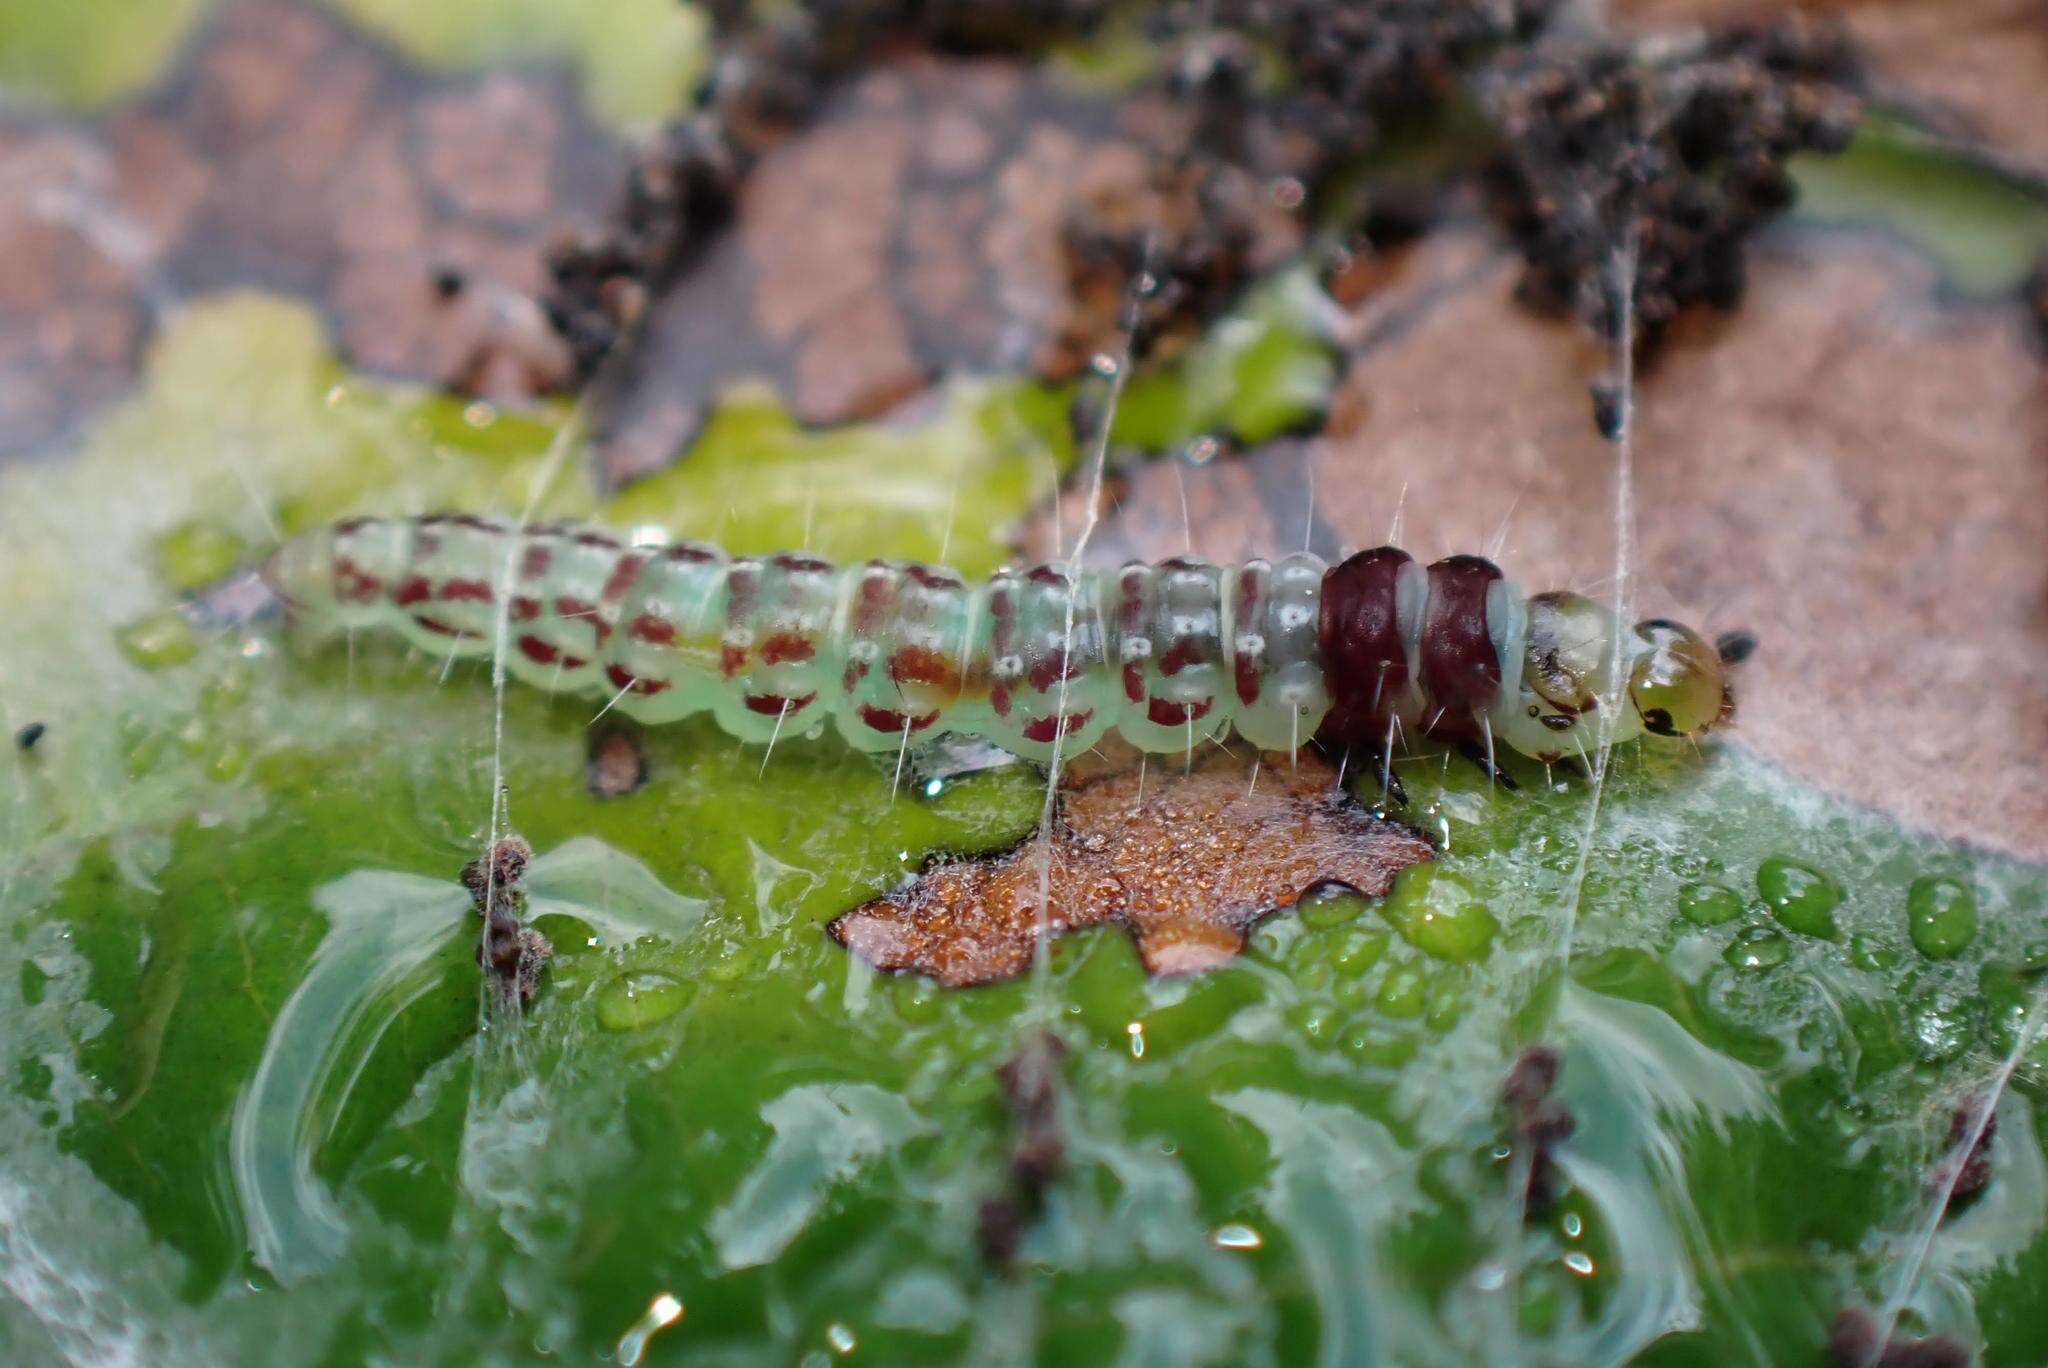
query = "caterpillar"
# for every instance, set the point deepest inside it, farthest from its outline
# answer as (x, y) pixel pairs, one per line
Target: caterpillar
(1358, 654)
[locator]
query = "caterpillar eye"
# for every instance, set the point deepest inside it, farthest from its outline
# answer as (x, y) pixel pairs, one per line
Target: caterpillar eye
(1677, 682)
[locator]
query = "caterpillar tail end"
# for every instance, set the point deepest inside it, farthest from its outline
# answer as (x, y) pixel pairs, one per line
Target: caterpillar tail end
(300, 572)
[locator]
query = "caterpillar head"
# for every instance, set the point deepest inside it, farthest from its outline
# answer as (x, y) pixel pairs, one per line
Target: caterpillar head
(1678, 682)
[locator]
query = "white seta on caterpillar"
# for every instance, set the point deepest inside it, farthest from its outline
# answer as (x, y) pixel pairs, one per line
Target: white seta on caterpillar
(894, 652)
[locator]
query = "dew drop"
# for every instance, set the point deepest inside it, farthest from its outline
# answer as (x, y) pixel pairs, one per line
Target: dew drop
(1801, 897)
(1941, 916)
(1709, 904)
(1405, 993)
(1376, 1045)
(1329, 904)
(1757, 947)
(158, 640)
(1939, 1026)
(1236, 1236)
(1438, 914)
(635, 1001)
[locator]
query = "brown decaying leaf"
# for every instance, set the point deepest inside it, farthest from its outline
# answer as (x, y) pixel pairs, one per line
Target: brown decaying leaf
(1187, 861)
(914, 227)
(1846, 467)
(290, 152)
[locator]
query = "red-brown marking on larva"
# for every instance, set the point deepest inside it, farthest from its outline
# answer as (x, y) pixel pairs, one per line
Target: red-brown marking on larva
(1134, 681)
(1245, 663)
(1050, 670)
(999, 697)
(471, 521)
(538, 651)
(465, 591)
(877, 592)
(787, 648)
(777, 705)
(1048, 728)
(352, 583)
(892, 723)
(742, 591)
(601, 540)
(1247, 678)
(798, 562)
(412, 589)
(850, 678)
(933, 577)
(1184, 651)
(535, 561)
(436, 626)
(688, 553)
(922, 665)
(731, 659)
(1047, 574)
(524, 608)
(1365, 662)
(652, 629)
(1460, 669)
(1167, 713)
(621, 578)
(1130, 600)
(621, 680)
(348, 526)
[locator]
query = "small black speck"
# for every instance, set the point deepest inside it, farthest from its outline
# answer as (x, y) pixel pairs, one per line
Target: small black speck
(1735, 647)
(1607, 409)
(449, 282)
(27, 737)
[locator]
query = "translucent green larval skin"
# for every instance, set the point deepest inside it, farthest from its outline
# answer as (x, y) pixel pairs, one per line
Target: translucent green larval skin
(891, 651)
(247, 857)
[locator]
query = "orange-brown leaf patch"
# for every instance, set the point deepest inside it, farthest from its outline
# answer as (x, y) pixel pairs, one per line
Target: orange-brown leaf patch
(1188, 862)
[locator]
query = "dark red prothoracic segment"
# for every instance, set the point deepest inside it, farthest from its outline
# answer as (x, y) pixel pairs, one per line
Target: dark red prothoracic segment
(1365, 661)
(1460, 668)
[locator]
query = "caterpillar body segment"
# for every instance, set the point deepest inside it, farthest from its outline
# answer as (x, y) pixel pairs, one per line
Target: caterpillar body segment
(1364, 653)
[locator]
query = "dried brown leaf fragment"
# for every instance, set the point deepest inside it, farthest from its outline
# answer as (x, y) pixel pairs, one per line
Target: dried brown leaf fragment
(1188, 861)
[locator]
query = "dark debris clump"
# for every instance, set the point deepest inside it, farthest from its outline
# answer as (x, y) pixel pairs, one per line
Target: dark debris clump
(1537, 1122)
(1189, 241)
(513, 952)
(1679, 155)
(1853, 1343)
(1359, 67)
(768, 80)
(1965, 1175)
(1030, 1084)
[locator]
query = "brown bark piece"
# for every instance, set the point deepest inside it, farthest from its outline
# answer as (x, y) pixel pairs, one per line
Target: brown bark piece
(1188, 862)
(915, 227)
(293, 153)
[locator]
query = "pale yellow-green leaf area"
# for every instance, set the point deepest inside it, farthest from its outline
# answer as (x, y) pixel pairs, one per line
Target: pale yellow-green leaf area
(638, 59)
(80, 54)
